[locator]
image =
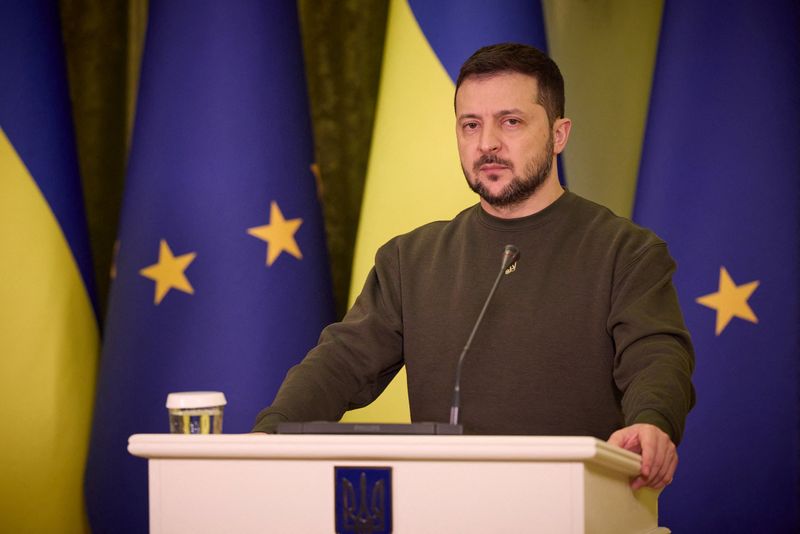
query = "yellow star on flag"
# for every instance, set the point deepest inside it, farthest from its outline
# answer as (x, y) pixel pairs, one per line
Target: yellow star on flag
(279, 235)
(730, 301)
(168, 273)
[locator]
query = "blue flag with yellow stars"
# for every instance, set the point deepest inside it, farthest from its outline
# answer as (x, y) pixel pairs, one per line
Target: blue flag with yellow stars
(720, 182)
(221, 278)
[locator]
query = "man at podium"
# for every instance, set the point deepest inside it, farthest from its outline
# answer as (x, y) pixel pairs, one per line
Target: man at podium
(584, 334)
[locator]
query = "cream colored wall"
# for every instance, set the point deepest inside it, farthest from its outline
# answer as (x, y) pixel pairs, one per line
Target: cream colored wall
(606, 50)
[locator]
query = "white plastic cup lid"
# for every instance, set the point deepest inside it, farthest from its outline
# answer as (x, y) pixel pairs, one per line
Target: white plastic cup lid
(195, 399)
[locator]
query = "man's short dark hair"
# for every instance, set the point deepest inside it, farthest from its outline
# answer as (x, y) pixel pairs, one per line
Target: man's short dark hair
(514, 57)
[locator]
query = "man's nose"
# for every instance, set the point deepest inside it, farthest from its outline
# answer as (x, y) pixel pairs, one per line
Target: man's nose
(490, 141)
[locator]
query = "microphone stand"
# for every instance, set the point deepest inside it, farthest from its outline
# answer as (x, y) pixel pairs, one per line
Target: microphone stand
(510, 255)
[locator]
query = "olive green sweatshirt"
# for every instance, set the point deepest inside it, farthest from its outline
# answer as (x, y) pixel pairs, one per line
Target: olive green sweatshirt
(583, 336)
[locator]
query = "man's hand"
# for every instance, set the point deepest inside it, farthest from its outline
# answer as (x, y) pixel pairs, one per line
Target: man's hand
(659, 456)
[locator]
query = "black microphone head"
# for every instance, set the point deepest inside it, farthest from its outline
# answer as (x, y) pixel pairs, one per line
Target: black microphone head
(510, 255)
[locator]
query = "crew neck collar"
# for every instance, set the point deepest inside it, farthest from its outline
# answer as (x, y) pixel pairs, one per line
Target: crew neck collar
(539, 218)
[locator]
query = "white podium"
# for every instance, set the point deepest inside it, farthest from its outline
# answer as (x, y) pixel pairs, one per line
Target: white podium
(248, 483)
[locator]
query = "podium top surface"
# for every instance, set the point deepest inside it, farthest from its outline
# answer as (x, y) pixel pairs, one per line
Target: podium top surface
(386, 448)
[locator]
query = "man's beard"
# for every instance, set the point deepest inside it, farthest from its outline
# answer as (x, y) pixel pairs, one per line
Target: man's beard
(520, 189)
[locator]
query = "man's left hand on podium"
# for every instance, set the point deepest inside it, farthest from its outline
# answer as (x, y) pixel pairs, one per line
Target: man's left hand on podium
(659, 455)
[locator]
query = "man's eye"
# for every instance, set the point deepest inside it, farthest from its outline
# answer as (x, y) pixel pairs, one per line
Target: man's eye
(470, 125)
(512, 122)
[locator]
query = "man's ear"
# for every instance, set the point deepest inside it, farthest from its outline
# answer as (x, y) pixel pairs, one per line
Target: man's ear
(561, 129)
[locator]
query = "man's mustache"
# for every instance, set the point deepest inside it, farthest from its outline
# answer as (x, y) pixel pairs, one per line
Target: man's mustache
(489, 159)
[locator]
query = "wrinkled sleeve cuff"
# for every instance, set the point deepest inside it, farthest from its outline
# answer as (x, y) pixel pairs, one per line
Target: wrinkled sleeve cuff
(654, 417)
(268, 422)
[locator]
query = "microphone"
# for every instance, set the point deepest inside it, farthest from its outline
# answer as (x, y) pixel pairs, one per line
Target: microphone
(510, 255)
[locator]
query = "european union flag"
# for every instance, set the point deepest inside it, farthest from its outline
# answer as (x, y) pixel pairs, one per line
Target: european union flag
(720, 181)
(221, 278)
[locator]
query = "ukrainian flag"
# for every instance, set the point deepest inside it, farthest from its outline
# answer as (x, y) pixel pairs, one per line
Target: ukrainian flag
(222, 278)
(414, 175)
(48, 327)
(720, 182)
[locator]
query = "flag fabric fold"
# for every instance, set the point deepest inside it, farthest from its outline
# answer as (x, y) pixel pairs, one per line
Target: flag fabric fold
(221, 276)
(414, 176)
(48, 325)
(720, 182)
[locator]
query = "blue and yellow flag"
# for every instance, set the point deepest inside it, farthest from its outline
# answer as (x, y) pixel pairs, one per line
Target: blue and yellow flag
(221, 278)
(720, 181)
(414, 175)
(48, 327)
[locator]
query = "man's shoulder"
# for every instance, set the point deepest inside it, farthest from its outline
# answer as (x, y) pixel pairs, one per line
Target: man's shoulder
(602, 221)
(429, 234)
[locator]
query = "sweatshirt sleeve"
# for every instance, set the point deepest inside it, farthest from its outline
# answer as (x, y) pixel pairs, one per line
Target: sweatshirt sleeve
(654, 358)
(354, 360)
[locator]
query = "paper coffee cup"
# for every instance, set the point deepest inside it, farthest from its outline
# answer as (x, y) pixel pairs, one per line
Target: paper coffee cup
(196, 412)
